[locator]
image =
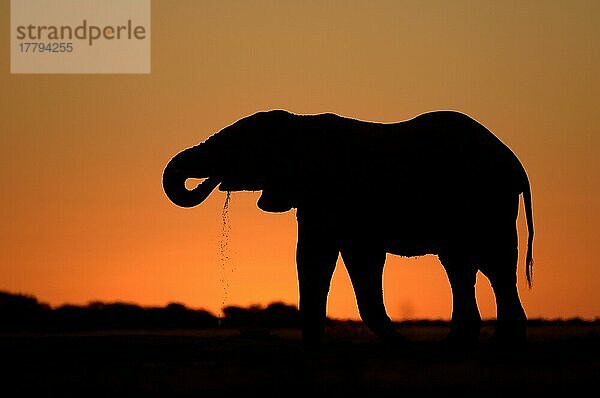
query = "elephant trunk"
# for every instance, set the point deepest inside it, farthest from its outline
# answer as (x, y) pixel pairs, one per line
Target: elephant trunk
(174, 177)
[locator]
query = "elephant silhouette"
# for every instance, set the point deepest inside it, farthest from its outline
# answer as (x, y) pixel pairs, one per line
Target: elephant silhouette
(440, 183)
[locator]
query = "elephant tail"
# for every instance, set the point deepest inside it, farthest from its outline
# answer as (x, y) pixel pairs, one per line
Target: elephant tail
(529, 216)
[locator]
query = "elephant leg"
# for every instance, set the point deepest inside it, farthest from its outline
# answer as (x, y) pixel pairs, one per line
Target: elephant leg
(466, 321)
(316, 256)
(501, 270)
(365, 267)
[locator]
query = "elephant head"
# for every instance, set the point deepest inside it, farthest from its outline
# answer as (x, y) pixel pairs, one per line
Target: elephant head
(257, 153)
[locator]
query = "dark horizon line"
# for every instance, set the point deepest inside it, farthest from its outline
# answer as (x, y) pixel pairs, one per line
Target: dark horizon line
(257, 307)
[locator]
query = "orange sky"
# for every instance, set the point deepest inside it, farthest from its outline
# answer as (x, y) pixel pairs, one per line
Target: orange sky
(82, 208)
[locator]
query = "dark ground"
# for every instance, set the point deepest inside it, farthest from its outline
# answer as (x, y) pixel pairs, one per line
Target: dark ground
(559, 359)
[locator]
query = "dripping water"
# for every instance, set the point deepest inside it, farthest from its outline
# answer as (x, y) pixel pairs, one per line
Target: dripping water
(225, 253)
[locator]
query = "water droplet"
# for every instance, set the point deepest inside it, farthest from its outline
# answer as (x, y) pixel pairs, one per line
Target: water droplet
(225, 252)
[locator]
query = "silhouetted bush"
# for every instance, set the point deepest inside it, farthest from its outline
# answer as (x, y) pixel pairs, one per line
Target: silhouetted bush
(21, 312)
(275, 315)
(18, 311)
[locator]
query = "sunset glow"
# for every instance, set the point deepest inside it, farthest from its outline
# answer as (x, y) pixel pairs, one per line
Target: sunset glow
(85, 217)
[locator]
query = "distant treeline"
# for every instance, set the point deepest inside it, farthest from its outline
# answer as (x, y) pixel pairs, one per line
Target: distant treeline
(23, 312)
(20, 312)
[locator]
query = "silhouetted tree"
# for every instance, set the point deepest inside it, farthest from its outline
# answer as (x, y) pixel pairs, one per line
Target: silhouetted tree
(276, 315)
(19, 311)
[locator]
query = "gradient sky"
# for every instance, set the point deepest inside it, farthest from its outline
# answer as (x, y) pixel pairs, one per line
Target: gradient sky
(84, 216)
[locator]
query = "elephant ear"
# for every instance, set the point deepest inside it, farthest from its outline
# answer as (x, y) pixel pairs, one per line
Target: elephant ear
(275, 201)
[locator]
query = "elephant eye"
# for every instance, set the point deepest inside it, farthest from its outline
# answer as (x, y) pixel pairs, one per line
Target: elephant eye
(192, 183)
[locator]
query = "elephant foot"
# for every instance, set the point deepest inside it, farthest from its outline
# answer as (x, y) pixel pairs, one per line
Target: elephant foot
(393, 339)
(509, 336)
(387, 334)
(459, 344)
(506, 342)
(311, 341)
(462, 338)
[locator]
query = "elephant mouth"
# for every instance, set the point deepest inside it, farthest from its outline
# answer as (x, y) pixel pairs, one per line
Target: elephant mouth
(272, 199)
(233, 185)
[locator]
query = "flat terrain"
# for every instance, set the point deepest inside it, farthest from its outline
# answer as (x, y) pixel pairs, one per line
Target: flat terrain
(558, 359)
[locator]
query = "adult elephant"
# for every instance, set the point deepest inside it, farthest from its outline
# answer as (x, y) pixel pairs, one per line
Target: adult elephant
(440, 183)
